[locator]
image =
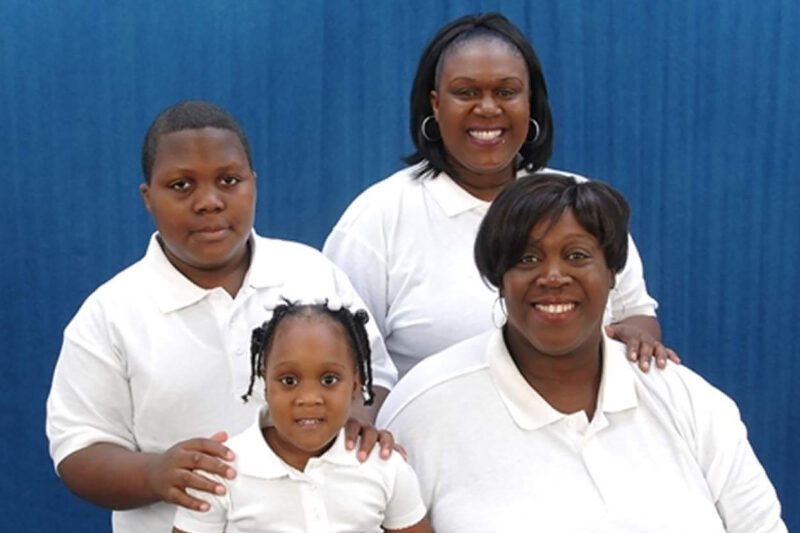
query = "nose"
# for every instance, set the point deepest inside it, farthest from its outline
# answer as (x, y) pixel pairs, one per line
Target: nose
(208, 200)
(553, 276)
(487, 106)
(309, 395)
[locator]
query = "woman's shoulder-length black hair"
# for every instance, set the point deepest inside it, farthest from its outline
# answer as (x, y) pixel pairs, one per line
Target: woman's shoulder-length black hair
(432, 155)
(503, 235)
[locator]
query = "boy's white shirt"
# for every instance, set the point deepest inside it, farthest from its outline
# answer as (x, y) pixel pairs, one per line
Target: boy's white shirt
(151, 359)
(335, 492)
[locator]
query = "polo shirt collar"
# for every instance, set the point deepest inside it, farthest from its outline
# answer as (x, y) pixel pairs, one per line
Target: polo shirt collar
(172, 290)
(255, 458)
(450, 196)
(527, 407)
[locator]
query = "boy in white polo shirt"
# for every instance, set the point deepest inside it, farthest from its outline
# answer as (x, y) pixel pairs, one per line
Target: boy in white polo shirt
(155, 356)
(294, 471)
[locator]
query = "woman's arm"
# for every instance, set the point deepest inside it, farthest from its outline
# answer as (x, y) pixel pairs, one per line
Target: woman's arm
(424, 526)
(633, 315)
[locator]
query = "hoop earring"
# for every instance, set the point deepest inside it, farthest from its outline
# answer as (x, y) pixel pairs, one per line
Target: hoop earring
(538, 131)
(425, 134)
(499, 320)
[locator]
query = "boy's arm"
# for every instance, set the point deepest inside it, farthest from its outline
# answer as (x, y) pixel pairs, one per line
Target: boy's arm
(114, 477)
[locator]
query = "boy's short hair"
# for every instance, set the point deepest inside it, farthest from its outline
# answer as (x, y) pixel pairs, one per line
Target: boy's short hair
(188, 115)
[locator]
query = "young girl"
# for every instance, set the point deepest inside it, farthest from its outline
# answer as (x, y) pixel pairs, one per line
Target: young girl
(295, 473)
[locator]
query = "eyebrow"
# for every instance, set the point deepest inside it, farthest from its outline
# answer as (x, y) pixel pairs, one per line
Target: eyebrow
(507, 78)
(326, 364)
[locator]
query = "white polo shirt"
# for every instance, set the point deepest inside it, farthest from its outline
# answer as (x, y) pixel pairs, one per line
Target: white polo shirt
(665, 451)
(335, 492)
(152, 359)
(407, 246)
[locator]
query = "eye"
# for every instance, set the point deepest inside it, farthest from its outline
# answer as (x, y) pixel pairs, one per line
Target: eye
(577, 256)
(529, 259)
(288, 381)
(330, 379)
(507, 92)
(230, 180)
(465, 93)
(180, 185)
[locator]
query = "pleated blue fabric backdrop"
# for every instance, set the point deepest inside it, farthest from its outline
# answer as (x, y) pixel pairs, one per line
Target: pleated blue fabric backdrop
(689, 107)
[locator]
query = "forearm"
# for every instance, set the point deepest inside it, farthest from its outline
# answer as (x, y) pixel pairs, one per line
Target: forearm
(367, 413)
(109, 475)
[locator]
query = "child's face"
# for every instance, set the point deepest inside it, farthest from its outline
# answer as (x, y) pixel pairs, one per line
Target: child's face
(310, 382)
(202, 197)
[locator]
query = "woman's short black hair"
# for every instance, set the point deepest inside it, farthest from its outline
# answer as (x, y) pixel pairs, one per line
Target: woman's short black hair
(536, 154)
(503, 235)
(188, 115)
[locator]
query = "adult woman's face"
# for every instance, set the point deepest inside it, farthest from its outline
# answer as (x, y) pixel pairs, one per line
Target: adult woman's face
(556, 294)
(482, 105)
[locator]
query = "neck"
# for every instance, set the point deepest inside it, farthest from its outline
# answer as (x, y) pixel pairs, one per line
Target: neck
(230, 276)
(483, 186)
(568, 382)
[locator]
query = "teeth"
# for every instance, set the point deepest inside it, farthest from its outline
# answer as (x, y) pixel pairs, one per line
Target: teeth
(485, 135)
(555, 309)
(308, 421)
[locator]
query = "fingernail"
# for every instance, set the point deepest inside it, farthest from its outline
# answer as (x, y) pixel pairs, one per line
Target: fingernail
(645, 366)
(362, 456)
(632, 356)
(230, 473)
(385, 454)
(350, 444)
(204, 507)
(219, 489)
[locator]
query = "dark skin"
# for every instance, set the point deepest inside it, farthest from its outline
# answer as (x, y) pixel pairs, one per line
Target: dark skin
(485, 84)
(197, 175)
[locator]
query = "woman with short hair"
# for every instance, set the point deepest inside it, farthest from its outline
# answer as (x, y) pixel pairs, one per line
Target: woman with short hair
(543, 425)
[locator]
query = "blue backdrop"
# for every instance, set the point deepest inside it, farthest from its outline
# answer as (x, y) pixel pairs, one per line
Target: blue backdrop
(690, 107)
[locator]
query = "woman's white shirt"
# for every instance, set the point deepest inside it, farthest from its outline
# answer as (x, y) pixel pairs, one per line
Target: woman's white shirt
(664, 452)
(407, 246)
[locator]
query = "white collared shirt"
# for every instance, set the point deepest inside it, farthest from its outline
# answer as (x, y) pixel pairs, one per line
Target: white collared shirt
(151, 359)
(407, 246)
(665, 451)
(334, 493)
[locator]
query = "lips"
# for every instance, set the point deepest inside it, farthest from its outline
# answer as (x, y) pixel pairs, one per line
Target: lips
(485, 134)
(309, 423)
(211, 233)
(555, 310)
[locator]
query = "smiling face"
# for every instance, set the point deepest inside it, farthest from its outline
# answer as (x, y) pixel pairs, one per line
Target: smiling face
(202, 198)
(482, 105)
(556, 294)
(311, 381)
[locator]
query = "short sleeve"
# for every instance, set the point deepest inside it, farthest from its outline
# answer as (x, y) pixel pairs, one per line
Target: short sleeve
(629, 296)
(365, 266)
(744, 495)
(212, 521)
(90, 399)
(384, 372)
(405, 507)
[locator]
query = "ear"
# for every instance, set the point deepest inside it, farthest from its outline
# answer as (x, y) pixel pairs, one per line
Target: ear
(434, 100)
(356, 393)
(144, 189)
